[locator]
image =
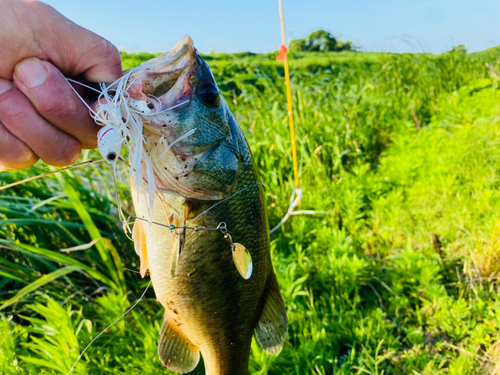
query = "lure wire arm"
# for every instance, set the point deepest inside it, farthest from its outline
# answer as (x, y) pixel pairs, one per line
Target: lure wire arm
(238, 251)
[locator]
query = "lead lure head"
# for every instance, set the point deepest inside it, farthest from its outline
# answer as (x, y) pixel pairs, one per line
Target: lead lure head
(110, 143)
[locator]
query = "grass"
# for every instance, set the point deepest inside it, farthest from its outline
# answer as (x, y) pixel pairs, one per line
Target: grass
(400, 278)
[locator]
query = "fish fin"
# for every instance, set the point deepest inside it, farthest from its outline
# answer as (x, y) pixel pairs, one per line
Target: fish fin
(176, 352)
(272, 327)
(139, 237)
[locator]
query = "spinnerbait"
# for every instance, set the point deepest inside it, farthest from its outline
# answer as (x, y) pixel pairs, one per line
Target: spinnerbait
(241, 256)
(110, 143)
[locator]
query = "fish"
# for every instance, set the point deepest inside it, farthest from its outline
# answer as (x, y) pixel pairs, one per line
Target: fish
(206, 242)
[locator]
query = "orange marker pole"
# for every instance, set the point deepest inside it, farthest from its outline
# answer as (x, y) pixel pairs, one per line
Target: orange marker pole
(283, 56)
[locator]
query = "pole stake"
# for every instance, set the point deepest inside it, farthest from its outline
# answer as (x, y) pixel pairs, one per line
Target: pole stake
(283, 52)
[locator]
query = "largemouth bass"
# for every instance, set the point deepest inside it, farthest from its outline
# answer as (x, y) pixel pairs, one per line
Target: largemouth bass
(205, 176)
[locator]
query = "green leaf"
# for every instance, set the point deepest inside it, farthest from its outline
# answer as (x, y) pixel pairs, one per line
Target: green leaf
(114, 269)
(39, 283)
(10, 275)
(41, 362)
(60, 258)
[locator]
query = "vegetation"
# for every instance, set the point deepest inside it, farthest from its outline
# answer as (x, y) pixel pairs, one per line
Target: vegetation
(320, 41)
(399, 277)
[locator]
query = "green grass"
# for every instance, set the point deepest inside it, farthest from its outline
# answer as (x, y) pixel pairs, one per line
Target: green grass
(400, 278)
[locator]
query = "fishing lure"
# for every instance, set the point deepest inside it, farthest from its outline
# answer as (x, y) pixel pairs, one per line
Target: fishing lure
(110, 143)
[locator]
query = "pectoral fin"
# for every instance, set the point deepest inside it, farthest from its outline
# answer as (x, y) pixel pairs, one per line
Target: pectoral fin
(176, 352)
(272, 327)
(139, 237)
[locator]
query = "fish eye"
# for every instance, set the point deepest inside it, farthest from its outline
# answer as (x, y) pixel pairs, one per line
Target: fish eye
(209, 94)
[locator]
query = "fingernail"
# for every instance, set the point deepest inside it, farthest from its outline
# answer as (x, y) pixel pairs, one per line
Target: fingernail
(5, 86)
(31, 72)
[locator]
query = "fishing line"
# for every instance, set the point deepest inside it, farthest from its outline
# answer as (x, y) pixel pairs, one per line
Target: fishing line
(295, 199)
(225, 199)
(241, 256)
(115, 111)
(84, 85)
(77, 94)
(173, 227)
(50, 173)
(131, 126)
(126, 229)
(111, 325)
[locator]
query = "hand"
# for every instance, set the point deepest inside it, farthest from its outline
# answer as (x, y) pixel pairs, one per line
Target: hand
(40, 115)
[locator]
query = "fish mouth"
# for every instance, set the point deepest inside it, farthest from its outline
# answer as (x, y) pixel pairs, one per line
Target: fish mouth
(165, 81)
(156, 88)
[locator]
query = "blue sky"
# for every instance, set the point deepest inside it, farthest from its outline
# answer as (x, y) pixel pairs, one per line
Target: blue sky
(234, 26)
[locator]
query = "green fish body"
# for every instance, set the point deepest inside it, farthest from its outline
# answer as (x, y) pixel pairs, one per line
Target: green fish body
(211, 306)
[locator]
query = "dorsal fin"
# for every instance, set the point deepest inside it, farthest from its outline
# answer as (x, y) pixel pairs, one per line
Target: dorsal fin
(272, 327)
(176, 352)
(139, 237)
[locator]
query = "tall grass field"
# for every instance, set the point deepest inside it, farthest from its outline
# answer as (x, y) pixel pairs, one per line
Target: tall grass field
(399, 274)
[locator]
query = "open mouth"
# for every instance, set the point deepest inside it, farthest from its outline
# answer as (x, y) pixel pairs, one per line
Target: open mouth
(155, 88)
(165, 81)
(182, 144)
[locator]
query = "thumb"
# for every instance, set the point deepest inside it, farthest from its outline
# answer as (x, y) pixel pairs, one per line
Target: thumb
(53, 98)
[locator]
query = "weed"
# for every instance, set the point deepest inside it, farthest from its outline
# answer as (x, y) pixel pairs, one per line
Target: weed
(400, 278)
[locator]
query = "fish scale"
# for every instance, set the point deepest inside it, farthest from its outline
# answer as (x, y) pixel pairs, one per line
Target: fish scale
(209, 307)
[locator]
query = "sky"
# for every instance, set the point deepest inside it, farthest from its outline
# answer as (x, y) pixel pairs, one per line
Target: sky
(254, 25)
